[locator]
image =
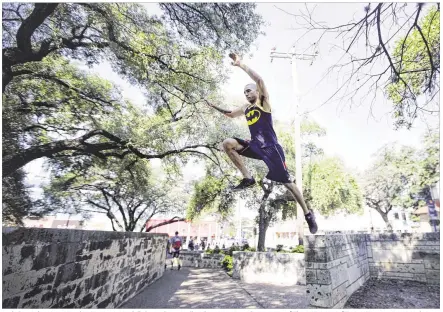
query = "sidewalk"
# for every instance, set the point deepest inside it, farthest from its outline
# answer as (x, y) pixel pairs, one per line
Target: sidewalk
(192, 288)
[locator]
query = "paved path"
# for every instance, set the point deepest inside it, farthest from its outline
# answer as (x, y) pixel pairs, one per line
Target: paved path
(192, 288)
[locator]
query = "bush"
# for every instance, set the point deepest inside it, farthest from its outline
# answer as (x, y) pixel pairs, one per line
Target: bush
(232, 249)
(245, 247)
(228, 263)
(299, 249)
(216, 249)
(209, 251)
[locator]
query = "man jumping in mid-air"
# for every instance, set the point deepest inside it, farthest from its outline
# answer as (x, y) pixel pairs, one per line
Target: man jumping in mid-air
(263, 144)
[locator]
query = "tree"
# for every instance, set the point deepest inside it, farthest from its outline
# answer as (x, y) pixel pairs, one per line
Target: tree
(418, 57)
(401, 176)
(401, 56)
(142, 48)
(125, 191)
(16, 202)
(54, 110)
(388, 181)
(124, 33)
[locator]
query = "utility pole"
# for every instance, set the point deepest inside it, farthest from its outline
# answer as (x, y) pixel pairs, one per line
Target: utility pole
(298, 152)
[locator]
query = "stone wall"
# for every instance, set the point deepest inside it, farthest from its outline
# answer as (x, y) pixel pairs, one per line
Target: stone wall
(269, 267)
(59, 268)
(406, 256)
(336, 266)
(198, 259)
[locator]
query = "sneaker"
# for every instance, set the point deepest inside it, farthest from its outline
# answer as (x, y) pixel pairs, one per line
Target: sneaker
(310, 218)
(245, 183)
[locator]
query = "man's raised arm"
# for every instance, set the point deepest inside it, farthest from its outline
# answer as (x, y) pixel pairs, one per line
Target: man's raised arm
(254, 76)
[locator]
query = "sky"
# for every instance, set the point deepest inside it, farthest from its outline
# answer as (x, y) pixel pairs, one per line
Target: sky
(351, 134)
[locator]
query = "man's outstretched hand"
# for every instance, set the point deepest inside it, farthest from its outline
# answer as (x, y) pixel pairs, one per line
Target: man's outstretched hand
(235, 58)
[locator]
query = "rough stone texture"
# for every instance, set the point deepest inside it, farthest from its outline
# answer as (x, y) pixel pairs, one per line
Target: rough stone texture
(336, 266)
(61, 268)
(407, 256)
(198, 259)
(268, 267)
(395, 294)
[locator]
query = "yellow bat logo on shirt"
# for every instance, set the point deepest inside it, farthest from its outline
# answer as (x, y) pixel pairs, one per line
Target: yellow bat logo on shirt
(253, 116)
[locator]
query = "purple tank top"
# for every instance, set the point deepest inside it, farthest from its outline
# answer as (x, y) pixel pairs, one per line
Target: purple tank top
(260, 126)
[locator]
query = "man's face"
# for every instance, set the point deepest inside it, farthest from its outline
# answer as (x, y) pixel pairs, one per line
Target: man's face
(251, 94)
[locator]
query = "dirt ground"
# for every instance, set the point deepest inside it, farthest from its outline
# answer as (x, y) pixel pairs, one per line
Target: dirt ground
(395, 294)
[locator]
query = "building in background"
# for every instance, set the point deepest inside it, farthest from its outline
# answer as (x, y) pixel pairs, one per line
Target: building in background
(207, 228)
(55, 222)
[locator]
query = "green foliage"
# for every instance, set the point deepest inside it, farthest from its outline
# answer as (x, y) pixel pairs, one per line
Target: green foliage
(416, 70)
(47, 98)
(227, 263)
(298, 249)
(401, 175)
(215, 251)
(231, 250)
(207, 195)
(124, 191)
(331, 188)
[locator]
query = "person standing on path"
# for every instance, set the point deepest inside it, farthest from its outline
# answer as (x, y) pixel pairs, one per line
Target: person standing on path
(176, 245)
(263, 144)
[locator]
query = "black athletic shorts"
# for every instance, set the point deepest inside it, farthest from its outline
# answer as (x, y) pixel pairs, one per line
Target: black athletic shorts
(273, 156)
(175, 253)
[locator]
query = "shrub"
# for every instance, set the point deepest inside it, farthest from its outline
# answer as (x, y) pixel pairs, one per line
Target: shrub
(299, 249)
(216, 250)
(232, 249)
(228, 263)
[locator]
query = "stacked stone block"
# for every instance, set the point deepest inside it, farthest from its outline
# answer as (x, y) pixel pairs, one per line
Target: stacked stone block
(269, 267)
(336, 266)
(60, 268)
(407, 256)
(199, 259)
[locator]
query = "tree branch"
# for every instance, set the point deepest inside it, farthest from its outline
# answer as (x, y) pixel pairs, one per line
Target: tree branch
(173, 220)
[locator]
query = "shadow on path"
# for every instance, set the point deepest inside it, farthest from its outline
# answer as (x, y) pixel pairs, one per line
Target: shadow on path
(193, 288)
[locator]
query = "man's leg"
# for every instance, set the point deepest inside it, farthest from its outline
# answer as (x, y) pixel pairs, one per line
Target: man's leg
(292, 187)
(234, 148)
(309, 215)
(274, 157)
(231, 146)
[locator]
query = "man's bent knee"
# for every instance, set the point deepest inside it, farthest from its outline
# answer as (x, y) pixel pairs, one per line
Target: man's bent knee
(230, 144)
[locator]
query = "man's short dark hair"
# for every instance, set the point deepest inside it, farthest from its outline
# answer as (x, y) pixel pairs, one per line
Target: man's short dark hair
(176, 233)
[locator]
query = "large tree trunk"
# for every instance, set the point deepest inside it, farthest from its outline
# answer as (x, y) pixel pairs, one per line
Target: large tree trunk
(264, 218)
(384, 215)
(262, 228)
